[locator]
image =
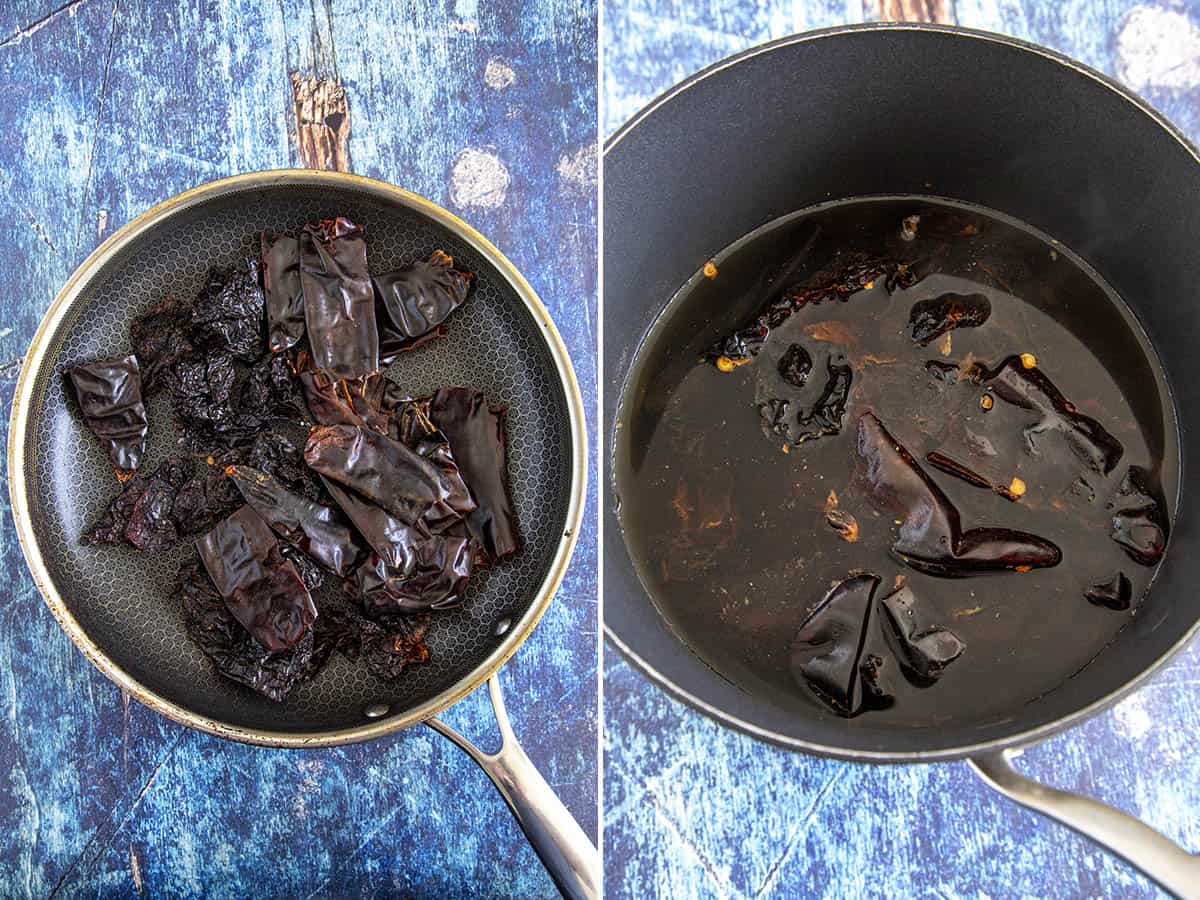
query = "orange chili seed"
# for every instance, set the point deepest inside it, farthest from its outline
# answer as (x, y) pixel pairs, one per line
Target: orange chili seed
(986, 402)
(710, 270)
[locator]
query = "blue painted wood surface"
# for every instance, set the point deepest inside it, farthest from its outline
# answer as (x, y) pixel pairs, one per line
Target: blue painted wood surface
(696, 810)
(109, 106)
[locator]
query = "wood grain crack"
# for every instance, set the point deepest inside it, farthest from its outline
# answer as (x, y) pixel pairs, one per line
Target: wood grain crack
(38, 24)
(941, 11)
(87, 181)
(322, 115)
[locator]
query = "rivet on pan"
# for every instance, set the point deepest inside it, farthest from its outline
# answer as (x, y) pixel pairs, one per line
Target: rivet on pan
(502, 627)
(376, 710)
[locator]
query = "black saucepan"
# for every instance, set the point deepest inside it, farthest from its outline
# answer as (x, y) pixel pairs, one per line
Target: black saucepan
(899, 109)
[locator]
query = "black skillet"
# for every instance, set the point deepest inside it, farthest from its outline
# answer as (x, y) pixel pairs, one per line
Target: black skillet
(900, 109)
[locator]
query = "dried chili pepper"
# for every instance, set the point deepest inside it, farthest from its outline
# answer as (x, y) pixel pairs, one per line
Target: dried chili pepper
(931, 538)
(341, 402)
(339, 303)
(391, 539)
(228, 314)
(233, 652)
(159, 339)
(826, 416)
(434, 577)
(926, 649)
(285, 296)
(314, 528)
(262, 590)
(929, 319)
(795, 365)
(385, 471)
(476, 435)
(412, 301)
(386, 648)
(142, 514)
(1027, 387)
(1116, 593)
(1139, 524)
(110, 398)
(840, 651)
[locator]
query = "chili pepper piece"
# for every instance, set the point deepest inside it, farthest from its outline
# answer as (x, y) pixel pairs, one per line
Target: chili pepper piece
(412, 301)
(1116, 593)
(313, 528)
(228, 314)
(840, 651)
(795, 365)
(926, 649)
(476, 434)
(284, 294)
(159, 340)
(1140, 523)
(434, 577)
(235, 654)
(1028, 388)
(339, 303)
(110, 397)
(929, 319)
(262, 590)
(931, 538)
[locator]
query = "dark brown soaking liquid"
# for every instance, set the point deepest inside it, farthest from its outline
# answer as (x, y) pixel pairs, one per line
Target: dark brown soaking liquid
(727, 526)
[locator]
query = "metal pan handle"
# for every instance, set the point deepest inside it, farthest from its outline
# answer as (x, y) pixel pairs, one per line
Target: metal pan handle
(1141, 846)
(564, 848)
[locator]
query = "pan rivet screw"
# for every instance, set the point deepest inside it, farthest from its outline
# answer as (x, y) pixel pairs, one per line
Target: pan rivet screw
(502, 627)
(376, 710)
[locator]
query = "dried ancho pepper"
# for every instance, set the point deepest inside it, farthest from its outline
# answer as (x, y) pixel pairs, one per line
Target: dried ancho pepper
(348, 545)
(339, 303)
(412, 301)
(1139, 524)
(110, 398)
(844, 649)
(931, 538)
(1116, 593)
(930, 319)
(260, 588)
(827, 414)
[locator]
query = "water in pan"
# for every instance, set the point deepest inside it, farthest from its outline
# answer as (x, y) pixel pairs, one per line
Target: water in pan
(124, 599)
(726, 520)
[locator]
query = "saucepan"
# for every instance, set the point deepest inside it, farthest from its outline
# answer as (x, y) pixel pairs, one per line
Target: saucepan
(907, 110)
(118, 605)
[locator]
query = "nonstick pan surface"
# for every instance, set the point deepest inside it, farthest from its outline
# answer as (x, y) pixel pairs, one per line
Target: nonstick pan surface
(119, 605)
(887, 110)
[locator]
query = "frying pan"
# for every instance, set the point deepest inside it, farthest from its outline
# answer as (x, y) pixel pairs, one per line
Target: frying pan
(903, 109)
(117, 604)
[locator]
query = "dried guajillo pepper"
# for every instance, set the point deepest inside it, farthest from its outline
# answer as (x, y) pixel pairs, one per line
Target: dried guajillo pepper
(110, 397)
(285, 296)
(314, 528)
(434, 576)
(1139, 524)
(931, 538)
(412, 301)
(476, 434)
(339, 302)
(387, 472)
(261, 589)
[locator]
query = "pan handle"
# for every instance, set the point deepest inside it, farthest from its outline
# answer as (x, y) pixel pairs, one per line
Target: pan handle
(564, 848)
(1141, 846)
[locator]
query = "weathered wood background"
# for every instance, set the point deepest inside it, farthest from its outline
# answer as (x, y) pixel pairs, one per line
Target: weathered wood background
(695, 810)
(106, 108)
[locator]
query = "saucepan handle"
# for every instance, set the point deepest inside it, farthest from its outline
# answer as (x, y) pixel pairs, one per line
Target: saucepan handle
(555, 836)
(1159, 858)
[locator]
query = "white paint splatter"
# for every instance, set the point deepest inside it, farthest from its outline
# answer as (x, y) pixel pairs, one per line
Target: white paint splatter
(5, 332)
(478, 179)
(101, 223)
(1133, 719)
(578, 169)
(1159, 48)
(498, 74)
(465, 27)
(309, 786)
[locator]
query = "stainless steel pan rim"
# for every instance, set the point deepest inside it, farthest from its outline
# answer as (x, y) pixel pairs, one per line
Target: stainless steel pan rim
(1018, 739)
(36, 358)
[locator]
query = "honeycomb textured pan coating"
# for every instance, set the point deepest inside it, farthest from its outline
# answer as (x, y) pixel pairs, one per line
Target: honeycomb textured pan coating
(125, 599)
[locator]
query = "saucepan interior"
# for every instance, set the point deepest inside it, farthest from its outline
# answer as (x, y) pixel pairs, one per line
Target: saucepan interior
(120, 606)
(906, 110)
